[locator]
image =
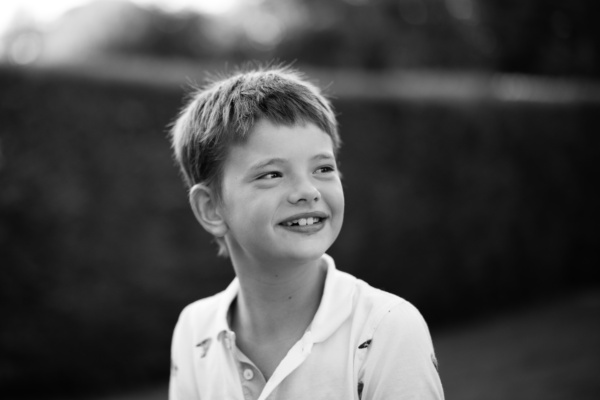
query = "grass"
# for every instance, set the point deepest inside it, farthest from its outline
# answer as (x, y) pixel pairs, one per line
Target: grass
(546, 351)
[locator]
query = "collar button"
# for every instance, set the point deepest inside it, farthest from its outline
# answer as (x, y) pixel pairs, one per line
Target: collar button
(248, 374)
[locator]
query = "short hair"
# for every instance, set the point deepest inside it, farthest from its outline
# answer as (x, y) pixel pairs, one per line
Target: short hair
(225, 111)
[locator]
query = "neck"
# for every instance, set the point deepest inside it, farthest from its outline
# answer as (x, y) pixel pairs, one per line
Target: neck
(277, 302)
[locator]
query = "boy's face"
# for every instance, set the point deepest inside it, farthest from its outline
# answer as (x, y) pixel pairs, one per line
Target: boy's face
(282, 197)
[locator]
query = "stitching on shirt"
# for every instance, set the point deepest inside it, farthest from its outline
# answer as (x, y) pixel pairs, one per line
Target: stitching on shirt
(384, 312)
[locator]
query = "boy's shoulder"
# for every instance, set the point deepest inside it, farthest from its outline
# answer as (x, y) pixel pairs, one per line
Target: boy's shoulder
(374, 305)
(207, 316)
(206, 307)
(370, 309)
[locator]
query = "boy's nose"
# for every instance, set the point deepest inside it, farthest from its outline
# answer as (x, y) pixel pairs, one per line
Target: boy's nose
(304, 191)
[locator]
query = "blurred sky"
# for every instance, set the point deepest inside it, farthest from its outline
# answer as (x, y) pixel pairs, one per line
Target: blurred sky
(44, 11)
(533, 37)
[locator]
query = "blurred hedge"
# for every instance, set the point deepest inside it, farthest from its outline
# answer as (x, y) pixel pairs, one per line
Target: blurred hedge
(458, 206)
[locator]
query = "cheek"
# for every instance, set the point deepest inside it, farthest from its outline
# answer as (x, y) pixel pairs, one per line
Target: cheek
(335, 198)
(251, 213)
(342, 200)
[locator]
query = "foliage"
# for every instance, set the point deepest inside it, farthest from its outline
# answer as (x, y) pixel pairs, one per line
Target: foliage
(547, 37)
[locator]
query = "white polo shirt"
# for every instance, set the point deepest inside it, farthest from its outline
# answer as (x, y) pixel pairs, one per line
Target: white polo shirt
(362, 343)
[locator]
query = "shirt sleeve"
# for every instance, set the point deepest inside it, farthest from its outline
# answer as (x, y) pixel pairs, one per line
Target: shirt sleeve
(400, 363)
(181, 382)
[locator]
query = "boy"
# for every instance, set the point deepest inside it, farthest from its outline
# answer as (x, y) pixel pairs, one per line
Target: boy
(258, 151)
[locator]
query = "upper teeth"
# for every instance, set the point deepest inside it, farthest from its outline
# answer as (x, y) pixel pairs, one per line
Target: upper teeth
(304, 221)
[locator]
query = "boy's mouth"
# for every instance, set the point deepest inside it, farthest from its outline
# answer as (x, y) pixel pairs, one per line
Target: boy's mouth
(303, 221)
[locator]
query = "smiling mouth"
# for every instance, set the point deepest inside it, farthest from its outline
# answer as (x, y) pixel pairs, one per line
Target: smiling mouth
(304, 221)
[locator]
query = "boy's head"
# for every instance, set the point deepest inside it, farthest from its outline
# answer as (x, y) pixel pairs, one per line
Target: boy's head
(225, 112)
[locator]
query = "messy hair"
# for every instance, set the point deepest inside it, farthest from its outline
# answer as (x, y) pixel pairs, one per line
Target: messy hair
(224, 112)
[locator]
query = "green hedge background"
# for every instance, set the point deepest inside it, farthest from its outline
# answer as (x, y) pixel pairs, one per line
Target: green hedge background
(462, 206)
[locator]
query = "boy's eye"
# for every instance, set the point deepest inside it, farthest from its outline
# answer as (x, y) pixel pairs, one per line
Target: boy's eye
(325, 169)
(270, 175)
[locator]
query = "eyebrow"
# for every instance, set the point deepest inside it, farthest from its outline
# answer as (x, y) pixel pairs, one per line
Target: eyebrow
(266, 163)
(323, 156)
(272, 161)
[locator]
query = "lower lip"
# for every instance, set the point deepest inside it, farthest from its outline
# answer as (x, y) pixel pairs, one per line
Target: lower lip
(307, 229)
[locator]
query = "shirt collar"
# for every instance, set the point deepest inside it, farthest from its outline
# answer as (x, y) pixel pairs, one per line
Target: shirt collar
(336, 303)
(225, 299)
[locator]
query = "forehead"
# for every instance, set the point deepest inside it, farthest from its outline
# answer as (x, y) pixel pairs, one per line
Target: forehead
(267, 139)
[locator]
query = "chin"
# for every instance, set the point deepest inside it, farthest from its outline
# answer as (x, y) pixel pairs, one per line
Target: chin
(306, 253)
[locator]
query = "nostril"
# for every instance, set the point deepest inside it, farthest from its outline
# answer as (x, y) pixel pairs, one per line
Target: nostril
(305, 194)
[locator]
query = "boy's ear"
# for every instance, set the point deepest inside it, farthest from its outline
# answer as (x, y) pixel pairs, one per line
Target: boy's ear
(207, 211)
